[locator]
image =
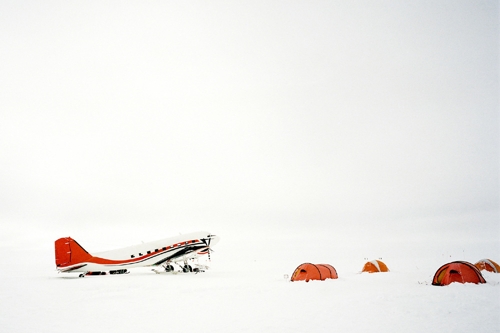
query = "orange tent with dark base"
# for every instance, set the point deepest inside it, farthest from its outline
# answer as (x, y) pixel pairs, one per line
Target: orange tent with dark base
(375, 266)
(307, 271)
(488, 265)
(457, 271)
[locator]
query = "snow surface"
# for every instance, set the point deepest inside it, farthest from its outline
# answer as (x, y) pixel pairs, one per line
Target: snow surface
(245, 289)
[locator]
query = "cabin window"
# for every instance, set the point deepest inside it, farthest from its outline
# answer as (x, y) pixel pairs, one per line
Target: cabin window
(156, 250)
(132, 256)
(164, 248)
(140, 254)
(149, 252)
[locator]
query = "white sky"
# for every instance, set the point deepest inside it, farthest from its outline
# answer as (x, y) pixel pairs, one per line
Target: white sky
(247, 111)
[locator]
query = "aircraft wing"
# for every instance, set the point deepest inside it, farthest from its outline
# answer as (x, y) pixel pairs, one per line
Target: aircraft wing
(188, 252)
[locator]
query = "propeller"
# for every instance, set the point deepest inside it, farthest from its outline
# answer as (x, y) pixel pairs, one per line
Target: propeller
(209, 251)
(207, 241)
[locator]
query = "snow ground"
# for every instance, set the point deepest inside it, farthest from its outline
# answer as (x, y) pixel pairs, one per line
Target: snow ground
(245, 289)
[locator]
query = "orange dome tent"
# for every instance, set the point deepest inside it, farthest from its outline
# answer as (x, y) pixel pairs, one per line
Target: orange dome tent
(375, 266)
(307, 271)
(457, 271)
(487, 264)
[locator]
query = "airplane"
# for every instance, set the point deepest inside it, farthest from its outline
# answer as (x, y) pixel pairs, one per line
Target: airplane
(171, 254)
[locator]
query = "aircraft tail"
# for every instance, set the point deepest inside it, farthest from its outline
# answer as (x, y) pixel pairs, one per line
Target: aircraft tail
(68, 252)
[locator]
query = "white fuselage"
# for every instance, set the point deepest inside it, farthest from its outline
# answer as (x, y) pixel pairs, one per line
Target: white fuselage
(173, 249)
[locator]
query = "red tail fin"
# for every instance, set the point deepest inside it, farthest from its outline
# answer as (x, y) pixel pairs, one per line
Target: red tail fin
(69, 252)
